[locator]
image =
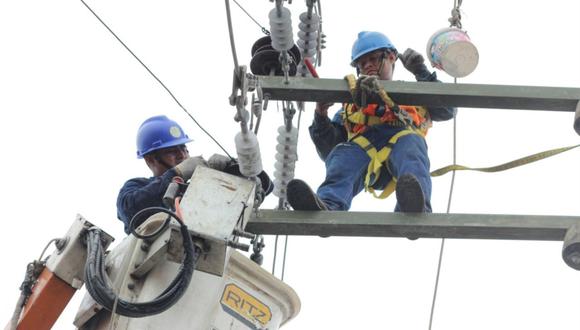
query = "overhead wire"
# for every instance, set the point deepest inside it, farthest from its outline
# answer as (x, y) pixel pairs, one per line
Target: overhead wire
(156, 78)
(264, 30)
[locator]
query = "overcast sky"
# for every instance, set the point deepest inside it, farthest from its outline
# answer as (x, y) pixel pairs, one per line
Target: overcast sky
(72, 99)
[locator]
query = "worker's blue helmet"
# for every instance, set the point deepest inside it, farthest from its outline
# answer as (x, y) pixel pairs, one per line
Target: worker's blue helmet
(157, 133)
(367, 42)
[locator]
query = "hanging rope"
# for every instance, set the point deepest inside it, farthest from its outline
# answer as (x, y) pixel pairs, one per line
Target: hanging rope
(442, 247)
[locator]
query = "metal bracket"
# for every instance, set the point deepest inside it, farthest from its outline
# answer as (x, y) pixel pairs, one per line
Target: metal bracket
(68, 263)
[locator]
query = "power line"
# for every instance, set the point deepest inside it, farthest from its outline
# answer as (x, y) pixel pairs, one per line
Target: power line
(266, 32)
(156, 78)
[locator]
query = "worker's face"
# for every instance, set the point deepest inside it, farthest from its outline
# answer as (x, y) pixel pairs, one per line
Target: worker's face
(166, 158)
(370, 64)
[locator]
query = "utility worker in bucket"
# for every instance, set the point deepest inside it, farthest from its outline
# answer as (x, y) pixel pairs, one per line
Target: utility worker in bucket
(161, 142)
(371, 146)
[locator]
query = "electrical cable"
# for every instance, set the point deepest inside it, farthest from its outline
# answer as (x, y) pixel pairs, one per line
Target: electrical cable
(156, 78)
(46, 247)
(231, 32)
(264, 30)
(142, 215)
(97, 280)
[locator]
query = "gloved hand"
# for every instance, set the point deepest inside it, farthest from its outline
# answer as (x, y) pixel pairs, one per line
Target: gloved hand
(366, 86)
(413, 62)
(219, 162)
(186, 167)
(322, 108)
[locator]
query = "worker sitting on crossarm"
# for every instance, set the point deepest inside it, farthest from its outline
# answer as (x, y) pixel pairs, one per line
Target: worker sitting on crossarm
(371, 146)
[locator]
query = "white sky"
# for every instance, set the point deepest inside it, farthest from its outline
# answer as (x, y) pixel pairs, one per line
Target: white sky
(73, 99)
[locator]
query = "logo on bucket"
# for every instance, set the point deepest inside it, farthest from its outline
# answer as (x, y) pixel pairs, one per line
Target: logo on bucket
(245, 307)
(452, 51)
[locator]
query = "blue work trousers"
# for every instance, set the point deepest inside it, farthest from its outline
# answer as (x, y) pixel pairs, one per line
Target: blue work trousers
(347, 164)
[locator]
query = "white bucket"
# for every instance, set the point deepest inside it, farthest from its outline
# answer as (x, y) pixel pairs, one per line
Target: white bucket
(452, 51)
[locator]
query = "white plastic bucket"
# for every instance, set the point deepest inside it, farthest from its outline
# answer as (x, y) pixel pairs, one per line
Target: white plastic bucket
(452, 51)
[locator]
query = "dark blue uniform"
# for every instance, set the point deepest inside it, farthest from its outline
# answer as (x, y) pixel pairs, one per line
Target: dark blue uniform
(139, 193)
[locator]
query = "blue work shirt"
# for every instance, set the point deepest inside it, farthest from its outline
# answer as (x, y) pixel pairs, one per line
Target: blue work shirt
(140, 193)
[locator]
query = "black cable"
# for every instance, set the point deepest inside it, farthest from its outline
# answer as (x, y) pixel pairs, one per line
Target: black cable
(147, 212)
(97, 280)
(158, 80)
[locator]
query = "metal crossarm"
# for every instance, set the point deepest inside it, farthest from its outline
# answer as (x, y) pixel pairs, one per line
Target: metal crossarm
(428, 94)
(433, 225)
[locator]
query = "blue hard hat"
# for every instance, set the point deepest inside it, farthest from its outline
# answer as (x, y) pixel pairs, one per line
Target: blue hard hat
(157, 133)
(367, 42)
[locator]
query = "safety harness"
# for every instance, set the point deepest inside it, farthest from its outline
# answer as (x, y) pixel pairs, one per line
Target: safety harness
(357, 118)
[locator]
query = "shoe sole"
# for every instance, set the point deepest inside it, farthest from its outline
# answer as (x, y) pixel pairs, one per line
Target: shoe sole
(301, 197)
(410, 195)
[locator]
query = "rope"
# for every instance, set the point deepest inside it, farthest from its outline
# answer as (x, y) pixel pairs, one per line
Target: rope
(442, 247)
(264, 30)
(275, 254)
(156, 78)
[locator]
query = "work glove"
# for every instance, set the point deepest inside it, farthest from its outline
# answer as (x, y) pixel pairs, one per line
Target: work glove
(366, 87)
(185, 168)
(322, 108)
(413, 62)
(219, 162)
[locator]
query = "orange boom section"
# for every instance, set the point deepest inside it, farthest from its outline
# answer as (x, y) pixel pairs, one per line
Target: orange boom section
(49, 297)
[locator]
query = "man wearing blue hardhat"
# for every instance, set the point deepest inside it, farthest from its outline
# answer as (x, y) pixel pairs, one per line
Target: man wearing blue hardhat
(161, 142)
(373, 146)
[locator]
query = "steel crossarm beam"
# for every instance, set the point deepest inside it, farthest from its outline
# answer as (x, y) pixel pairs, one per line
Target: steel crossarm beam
(392, 224)
(427, 94)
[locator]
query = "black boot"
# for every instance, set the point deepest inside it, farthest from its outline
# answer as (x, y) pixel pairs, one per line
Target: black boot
(302, 198)
(409, 194)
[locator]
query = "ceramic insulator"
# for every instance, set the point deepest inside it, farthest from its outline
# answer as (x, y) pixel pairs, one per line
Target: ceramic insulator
(286, 157)
(281, 29)
(308, 34)
(249, 156)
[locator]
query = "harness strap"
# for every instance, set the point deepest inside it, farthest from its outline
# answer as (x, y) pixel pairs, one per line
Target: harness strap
(378, 160)
(416, 117)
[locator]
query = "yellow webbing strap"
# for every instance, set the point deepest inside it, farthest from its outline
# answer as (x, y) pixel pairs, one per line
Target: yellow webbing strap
(351, 80)
(378, 160)
(506, 166)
